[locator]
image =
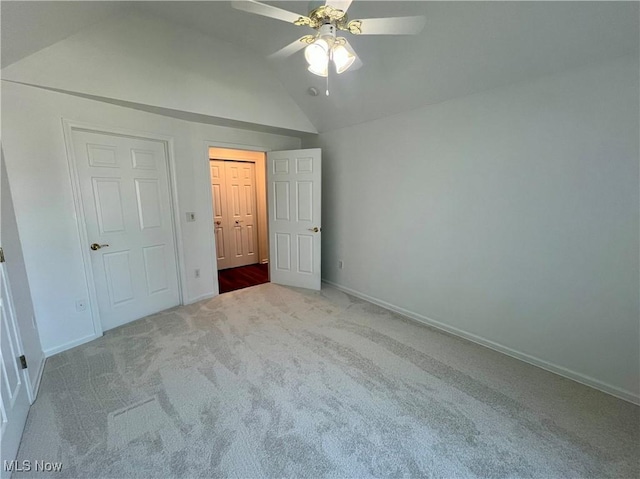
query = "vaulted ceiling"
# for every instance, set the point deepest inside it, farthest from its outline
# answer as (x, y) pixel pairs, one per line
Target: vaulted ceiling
(464, 48)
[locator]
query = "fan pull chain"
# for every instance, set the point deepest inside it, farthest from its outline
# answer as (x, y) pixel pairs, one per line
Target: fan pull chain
(329, 70)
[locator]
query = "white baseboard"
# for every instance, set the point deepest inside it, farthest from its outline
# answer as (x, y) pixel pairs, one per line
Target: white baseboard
(541, 363)
(202, 297)
(36, 387)
(71, 344)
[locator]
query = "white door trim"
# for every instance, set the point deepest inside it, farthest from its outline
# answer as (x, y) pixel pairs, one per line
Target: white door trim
(206, 176)
(68, 127)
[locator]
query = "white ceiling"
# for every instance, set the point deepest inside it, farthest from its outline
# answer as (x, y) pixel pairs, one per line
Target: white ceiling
(465, 47)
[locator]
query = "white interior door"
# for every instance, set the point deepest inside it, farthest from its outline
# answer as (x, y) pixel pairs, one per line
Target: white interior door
(219, 198)
(234, 204)
(18, 287)
(124, 186)
(14, 403)
(294, 191)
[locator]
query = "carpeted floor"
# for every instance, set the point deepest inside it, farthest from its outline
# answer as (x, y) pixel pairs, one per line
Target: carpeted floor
(278, 382)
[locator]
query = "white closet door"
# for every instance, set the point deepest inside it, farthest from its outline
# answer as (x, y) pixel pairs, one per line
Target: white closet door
(234, 205)
(124, 185)
(219, 198)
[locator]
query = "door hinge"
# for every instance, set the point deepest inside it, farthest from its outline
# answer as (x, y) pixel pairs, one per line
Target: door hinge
(23, 361)
(1, 255)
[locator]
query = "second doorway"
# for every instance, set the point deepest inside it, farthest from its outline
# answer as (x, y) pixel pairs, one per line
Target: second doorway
(238, 187)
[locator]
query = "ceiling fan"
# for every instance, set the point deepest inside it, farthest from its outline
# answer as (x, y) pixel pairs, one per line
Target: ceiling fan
(325, 46)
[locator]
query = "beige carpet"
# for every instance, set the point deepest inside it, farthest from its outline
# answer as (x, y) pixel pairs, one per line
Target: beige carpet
(277, 382)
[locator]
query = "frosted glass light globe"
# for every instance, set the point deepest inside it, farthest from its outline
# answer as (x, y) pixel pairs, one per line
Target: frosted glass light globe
(317, 53)
(342, 58)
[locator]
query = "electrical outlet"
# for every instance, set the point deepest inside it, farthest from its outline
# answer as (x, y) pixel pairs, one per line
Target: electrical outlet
(340, 264)
(197, 273)
(81, 305)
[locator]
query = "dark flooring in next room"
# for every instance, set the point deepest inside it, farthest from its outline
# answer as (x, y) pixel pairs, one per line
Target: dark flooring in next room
(242, 277)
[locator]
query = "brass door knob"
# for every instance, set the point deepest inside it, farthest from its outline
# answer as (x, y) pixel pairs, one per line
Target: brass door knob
(315, 229)
(96, 246)
(218, 223)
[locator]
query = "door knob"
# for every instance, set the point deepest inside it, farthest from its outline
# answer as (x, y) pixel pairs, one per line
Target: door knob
(96, 246)
(315, 229)
(218, 223)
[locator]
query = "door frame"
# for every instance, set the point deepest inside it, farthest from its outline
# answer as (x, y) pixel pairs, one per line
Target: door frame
(68, 126)
(207, 175)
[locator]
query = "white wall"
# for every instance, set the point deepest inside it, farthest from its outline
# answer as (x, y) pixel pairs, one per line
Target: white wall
(509, 216)
(18, 281)
(144, 59)
(39, 176)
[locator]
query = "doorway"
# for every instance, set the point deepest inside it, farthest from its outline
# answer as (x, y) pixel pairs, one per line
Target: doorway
(238, 187)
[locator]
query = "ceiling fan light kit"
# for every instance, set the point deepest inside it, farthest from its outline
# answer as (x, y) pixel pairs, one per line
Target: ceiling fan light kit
(325, 47)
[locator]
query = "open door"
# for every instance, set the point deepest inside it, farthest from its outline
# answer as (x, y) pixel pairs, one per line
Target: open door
(18, 335)
(294, 195)
(14, 400)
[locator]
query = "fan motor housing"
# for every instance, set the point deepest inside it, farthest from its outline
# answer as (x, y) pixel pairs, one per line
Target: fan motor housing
(325, 15)
(327, 30)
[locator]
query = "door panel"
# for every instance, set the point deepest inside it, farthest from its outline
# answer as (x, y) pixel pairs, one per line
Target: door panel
(305, 201)
(294, 186)
(149, 201)
(281, 200)
(283, 251)
(305, 254)
(251, 235)
(118, 273)
(124, 189)
(155, 269)
(108, 199)
(237, 243)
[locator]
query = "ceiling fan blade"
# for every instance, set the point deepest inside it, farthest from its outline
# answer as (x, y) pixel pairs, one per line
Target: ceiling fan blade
(357, 62)
(339, 4)
(263, 9)
(387, 26)
(292, 48)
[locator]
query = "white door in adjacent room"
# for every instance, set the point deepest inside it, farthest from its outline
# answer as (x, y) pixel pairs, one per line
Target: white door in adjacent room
(219, 199)
(233, 184)
(14, 403)
(125, 195)
(294, 195)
